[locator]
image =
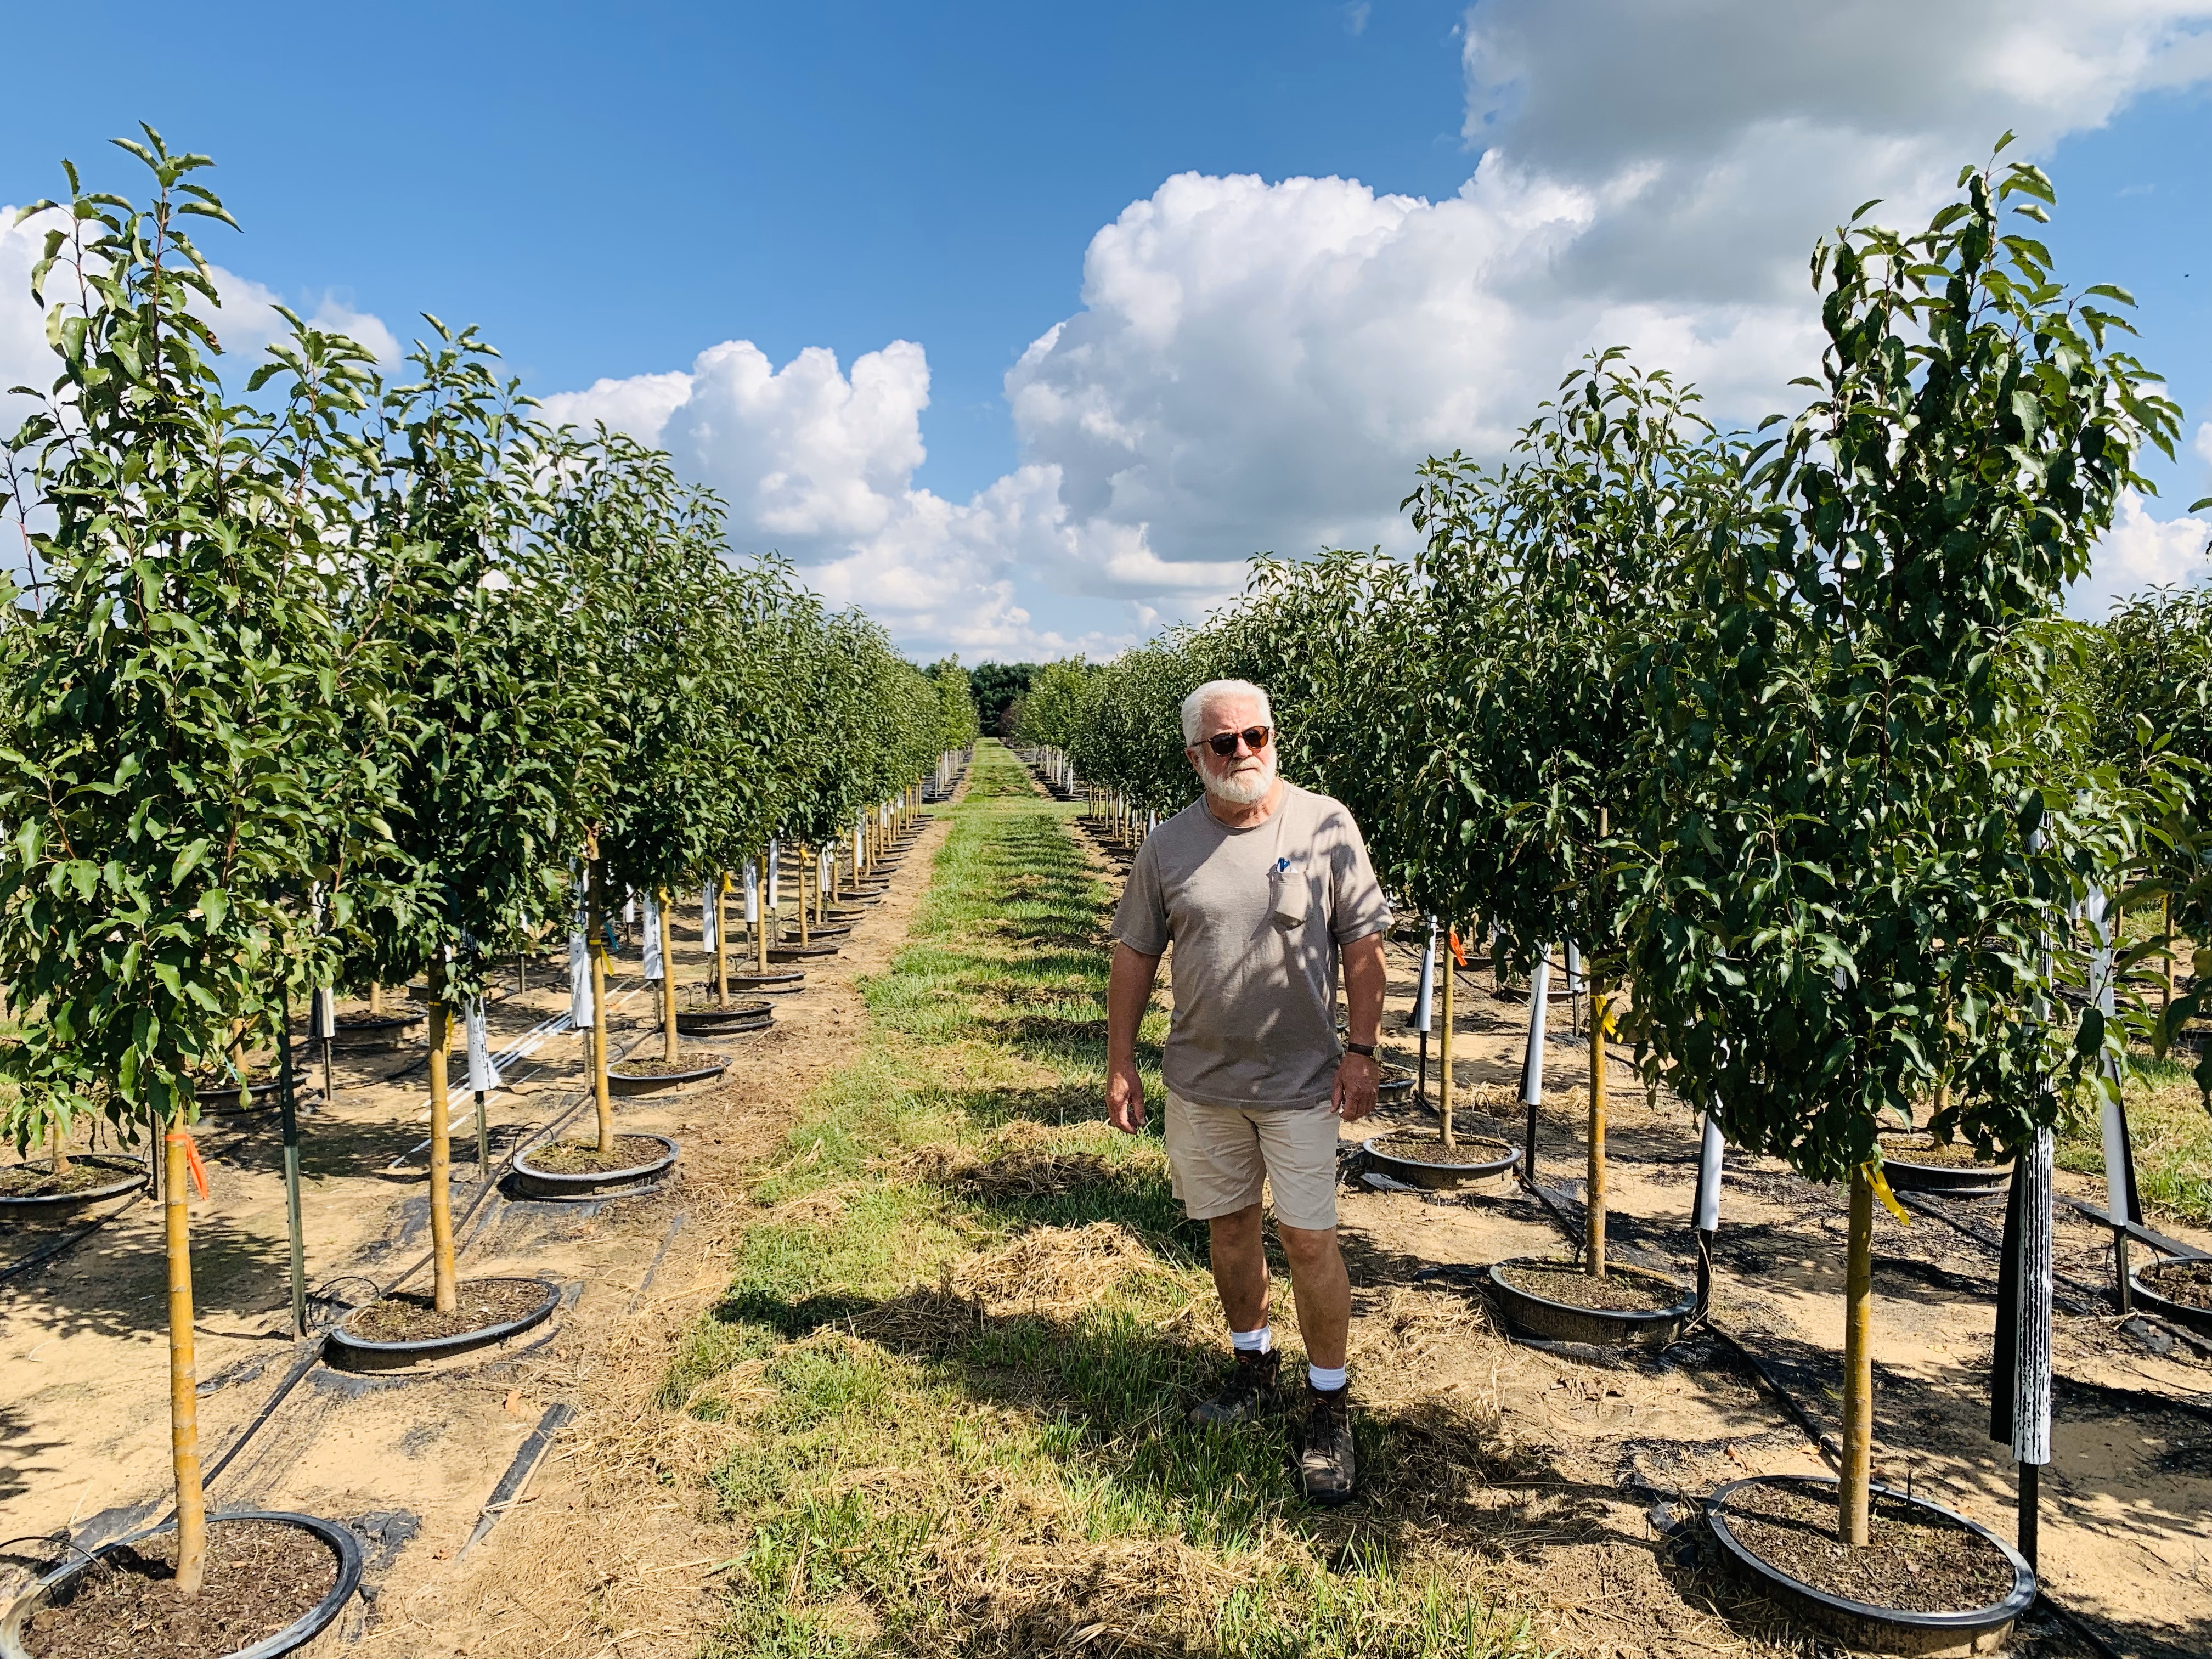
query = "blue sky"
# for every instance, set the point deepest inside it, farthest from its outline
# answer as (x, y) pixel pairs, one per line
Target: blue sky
(610, 193)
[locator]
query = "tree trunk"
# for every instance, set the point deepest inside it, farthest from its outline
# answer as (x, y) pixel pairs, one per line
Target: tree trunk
(667, 982)
(184, 1374)
(1858, 1363)
(2166, 999)
(1444, 1051)
(442, 1276)
(1600, 1010)
(375, 998)
(721, 941)
(59, 1143)
(798, 874)
(601, 1100)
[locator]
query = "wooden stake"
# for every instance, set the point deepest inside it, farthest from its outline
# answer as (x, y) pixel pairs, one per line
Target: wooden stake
(444, 1293)
(1858, 1364)
(184, 1373)
(721, 939)
(1593, 1242)
(602, 1099)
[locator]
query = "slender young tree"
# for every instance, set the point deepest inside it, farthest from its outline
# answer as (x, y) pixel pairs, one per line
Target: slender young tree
(1849, 829)
(186, 657)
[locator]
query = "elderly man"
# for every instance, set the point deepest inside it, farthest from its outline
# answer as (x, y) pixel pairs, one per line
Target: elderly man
(1260, 886)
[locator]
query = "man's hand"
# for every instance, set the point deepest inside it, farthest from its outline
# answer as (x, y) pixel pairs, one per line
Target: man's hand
(1125, 1098)
(1354, 1097)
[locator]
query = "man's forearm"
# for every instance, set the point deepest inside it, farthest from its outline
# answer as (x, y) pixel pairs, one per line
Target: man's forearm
(1364, 979)
(1128, 992)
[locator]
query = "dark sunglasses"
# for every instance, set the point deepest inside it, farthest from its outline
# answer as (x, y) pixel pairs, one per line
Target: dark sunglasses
(1224, 744)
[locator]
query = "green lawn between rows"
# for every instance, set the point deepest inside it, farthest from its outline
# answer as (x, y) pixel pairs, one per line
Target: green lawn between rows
(952, 1357)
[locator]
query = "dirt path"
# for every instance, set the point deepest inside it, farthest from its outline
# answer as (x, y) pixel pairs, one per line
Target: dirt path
(410, 1462)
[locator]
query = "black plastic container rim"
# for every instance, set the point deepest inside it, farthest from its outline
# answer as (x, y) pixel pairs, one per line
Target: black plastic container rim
(1966, 1623)
(345, 1023)
(1634, 1318)
(440, 1347)
(698, 1074)
(1497, 1166)
(599, 1177)
(757, 981)
(2147, 1291)
(295, 1635)
(114, 1188)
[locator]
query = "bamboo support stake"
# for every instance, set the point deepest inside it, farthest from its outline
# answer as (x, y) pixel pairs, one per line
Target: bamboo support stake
(1858, 1363)
(443, 1291)
(721, 939)
(184, 1373)
(601, 1098)
(667, 980)
(1444, 1047)
(1601, 1019)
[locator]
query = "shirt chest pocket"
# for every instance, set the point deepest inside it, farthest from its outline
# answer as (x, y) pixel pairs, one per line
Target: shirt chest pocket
(1290, 896)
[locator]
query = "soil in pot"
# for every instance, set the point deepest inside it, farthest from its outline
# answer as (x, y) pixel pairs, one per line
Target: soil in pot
(2189, 1283)
(694, 1061)
(261, 1576)
(1918, 1149)
(584, 1157)
(1614, 1293)
(1913, 1561)
(1422, 1146)
(84, 1174)
(413, 1316)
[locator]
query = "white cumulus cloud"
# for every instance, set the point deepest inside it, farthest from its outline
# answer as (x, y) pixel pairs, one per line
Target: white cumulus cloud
(1259, 365)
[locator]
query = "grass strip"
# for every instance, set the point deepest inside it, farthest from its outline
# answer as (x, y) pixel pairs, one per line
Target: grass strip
(951, 1363)
(2171, 1134)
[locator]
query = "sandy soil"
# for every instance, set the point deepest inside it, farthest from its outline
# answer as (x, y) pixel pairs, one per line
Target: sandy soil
(603, 1556)
(410, 1461)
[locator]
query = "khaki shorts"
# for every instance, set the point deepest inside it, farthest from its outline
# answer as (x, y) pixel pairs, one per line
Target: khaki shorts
(1219, 1154)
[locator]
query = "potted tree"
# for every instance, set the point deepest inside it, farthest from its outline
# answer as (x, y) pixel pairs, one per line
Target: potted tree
(497, 753)
(186, 658)
(1849, 826)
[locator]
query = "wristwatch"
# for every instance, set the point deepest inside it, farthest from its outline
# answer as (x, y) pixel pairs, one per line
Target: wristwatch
(1365, 1050)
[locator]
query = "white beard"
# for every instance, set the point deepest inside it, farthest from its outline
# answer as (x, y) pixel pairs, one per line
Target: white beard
(1248, 787)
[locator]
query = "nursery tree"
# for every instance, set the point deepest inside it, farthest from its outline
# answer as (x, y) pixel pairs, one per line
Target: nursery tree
(499, 757)
(1848, 868)
(1547, 575)
(187, 656)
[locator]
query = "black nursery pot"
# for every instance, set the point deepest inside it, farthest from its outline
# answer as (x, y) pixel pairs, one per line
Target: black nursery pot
(295, 1635)
(130, 1175)
(343, 1351)
(1857, 1624)
(1540, 1316)
(533, 1182)
(2146, 1283)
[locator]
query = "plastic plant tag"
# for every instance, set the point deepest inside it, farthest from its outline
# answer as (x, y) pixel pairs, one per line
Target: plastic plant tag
(484, 1076)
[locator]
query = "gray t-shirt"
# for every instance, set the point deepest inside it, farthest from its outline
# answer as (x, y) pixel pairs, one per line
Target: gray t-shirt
(1256, 917)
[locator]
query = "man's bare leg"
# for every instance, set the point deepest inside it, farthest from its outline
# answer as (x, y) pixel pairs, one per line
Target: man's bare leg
(1322, 1288)
(1238, 1254)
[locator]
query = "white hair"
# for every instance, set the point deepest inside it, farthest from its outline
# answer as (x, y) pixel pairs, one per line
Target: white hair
(1194, 706)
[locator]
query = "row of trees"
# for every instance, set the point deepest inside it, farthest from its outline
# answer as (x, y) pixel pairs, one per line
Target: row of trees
(334, 678)
(1784, 731)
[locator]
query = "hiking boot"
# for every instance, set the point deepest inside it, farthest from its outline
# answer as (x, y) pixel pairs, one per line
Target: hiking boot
(1325, 1468)
(1247, 1391)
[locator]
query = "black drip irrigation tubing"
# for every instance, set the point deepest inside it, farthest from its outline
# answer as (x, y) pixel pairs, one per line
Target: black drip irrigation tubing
(311, 1351)
(61, 1246)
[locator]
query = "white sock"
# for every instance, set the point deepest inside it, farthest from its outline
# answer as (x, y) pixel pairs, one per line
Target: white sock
(1260, 1341)
(1328, 1381)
